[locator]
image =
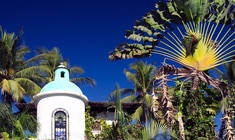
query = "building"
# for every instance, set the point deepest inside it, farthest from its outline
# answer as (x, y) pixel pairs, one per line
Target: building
(61, 109)
(105, 111)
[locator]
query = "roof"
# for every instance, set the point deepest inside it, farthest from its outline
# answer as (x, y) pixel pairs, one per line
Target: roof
(95, 107)
(60, 86)
(61, 82)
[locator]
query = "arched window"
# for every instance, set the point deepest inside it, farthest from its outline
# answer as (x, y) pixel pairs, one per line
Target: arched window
(60, 125)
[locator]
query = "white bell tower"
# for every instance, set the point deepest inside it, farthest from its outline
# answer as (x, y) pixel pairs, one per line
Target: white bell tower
(61, 109)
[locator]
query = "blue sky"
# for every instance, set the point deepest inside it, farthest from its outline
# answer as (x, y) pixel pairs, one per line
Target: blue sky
(84, 31)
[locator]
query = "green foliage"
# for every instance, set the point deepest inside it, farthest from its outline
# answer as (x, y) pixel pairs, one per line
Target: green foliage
(16, 124)
(199, 109)
(228, 111)
(5, 136)
(12, 51)
(27, 121)
(158, 130)
(89, 121)
(114, 131)
(117, 130)
(6, 118)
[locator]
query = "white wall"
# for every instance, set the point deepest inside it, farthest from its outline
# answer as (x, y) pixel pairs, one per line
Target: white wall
(107, 116)
(75, 108)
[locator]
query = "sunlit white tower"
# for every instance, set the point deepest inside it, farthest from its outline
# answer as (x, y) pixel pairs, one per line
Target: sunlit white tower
(61, 109)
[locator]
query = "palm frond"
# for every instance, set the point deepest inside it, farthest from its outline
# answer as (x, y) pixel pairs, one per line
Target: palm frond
(141, 75)
(136, 115)
(127, 95)
(40, 74)
(5, 86)
(83, 81)
(16, 90)
(28, 121)
(29, 86)
(76, 70)
(213, 50)
(128, 99)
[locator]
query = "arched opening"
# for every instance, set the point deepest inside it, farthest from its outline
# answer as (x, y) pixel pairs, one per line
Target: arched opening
(62, 74)
(60, 125)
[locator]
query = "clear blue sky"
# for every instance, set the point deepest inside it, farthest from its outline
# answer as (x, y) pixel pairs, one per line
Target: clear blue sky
(84, 31)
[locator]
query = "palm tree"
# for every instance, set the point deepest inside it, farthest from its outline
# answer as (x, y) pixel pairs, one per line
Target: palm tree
(141, 75)
(121, 127)
(198, 35)
(16, 124)
(16, 80)
(50, 59)
(154, 130)
(15, 75)
(6, 118)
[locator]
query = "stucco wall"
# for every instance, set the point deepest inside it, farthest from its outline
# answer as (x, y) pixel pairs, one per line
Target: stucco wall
(76, 111)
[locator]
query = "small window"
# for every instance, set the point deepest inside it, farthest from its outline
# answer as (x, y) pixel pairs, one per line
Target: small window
(60, 125)
(62, 74)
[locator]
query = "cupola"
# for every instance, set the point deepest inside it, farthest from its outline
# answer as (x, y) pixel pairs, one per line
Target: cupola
(61, 108)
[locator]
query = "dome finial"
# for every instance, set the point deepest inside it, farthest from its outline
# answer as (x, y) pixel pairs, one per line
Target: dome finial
(62, 65)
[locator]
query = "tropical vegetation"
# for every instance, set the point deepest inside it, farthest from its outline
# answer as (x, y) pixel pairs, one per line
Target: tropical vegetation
(198, 36)
(20, 77)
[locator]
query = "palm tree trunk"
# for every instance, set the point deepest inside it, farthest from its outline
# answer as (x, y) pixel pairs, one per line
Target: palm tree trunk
(5, 97)
(181, 126)
(195, 82)
(193, 94)
(226, 131)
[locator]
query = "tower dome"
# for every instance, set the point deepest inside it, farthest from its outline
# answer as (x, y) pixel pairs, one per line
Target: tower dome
(62, 84)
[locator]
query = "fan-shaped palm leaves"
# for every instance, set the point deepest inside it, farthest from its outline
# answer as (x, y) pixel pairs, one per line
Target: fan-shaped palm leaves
(200, 47)
(167, 16)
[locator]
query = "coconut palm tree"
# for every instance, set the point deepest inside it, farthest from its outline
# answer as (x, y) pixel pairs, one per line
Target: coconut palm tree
(141, 75)
(50, 59)
(198, 35)
(16, 80)
(15, 75)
